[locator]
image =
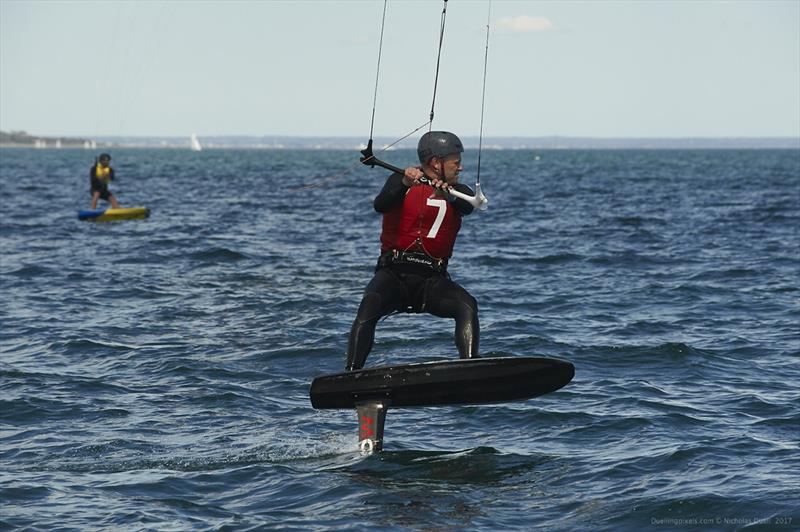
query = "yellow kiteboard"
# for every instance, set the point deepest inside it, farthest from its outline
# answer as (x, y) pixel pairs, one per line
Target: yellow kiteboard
(113, 215)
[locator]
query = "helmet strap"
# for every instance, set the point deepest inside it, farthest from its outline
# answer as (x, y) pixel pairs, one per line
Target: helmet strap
(437, 170)
(440, 170)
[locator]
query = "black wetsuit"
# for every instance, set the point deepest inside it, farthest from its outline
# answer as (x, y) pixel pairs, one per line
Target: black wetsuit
(98, 185)
(403, 287)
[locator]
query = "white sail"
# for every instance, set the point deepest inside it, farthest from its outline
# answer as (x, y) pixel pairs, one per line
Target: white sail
(195, 143)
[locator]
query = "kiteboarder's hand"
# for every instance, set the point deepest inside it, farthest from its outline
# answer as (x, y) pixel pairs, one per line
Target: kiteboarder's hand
(411, 176)
(438, 183)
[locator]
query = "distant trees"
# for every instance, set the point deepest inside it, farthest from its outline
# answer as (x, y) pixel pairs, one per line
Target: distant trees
(22, 138)
(16, 137)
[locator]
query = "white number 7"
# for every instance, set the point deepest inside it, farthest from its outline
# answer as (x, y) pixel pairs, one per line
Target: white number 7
(442, 206)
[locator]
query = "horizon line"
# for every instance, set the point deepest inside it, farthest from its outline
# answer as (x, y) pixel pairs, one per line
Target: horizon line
(474, 136)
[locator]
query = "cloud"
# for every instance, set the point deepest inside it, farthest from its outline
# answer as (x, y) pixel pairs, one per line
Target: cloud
(525, 24)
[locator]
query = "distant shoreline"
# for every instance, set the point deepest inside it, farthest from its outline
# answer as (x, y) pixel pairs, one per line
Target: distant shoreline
(217, 142)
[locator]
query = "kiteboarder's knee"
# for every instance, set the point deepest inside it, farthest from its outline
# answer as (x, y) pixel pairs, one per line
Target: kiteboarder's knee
(370, 308)
(472, 303)
(467, 307)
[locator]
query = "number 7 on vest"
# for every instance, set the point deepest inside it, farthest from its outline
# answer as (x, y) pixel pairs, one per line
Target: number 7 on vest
(442, 206)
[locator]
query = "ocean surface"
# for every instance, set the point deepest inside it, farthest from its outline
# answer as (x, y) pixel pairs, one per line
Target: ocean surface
(154, 374)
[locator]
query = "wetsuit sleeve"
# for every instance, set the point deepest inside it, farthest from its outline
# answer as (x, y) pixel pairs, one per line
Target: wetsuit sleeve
(391, 194)
(460, 205)
(111, 174)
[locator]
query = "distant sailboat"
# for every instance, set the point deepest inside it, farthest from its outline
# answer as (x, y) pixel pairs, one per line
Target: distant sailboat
(195, 143)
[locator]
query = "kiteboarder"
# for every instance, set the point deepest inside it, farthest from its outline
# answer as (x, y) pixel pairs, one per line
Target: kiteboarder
(101, 175)
(420, 224)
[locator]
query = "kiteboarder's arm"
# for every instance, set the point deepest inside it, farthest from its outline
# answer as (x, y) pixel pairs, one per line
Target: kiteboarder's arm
(96, 184)
(396, 186)
(460, 205)
(392, 193)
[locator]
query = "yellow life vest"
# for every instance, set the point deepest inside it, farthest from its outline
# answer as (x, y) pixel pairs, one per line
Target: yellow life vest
(103, 173)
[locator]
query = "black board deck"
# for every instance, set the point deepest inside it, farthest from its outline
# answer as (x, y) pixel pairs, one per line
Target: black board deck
(451, 382)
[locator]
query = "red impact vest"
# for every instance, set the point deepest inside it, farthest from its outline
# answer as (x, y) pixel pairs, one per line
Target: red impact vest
(424, 221)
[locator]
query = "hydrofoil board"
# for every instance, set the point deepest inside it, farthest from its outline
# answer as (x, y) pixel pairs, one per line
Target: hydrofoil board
(451, 382)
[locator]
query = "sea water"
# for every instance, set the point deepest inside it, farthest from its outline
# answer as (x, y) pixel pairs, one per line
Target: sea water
(154, 374)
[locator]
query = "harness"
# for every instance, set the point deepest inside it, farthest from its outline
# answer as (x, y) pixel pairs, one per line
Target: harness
(410, 258)
(419, 265)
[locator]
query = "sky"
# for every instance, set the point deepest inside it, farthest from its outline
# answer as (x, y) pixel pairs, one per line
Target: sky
(307, 68)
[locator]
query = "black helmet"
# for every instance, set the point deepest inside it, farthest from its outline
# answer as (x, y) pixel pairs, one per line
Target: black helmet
(104, 157)
(438, 144)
